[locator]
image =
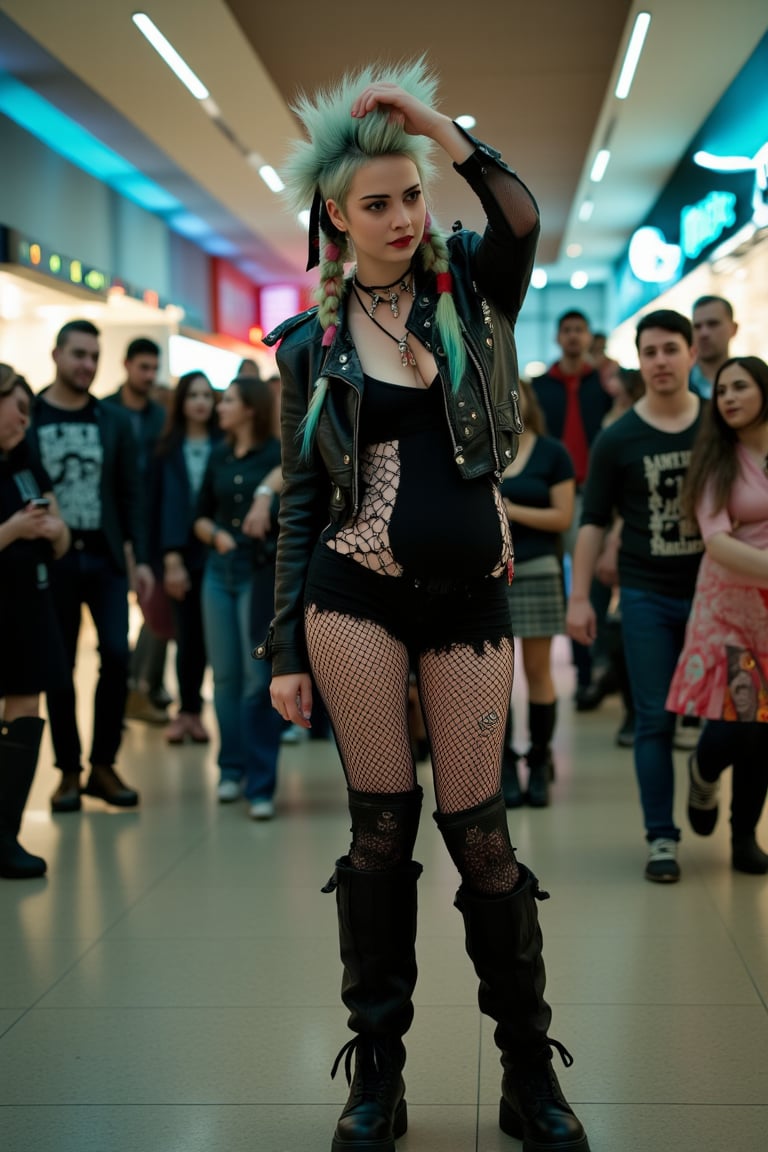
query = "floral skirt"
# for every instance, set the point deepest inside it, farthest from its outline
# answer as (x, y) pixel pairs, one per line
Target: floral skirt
(722, 673)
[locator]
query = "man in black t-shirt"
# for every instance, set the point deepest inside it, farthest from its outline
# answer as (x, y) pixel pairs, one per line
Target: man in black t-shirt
(636, 472)
(88, 449)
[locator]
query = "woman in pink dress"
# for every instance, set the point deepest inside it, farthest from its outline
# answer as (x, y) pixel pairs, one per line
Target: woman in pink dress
(722, 674)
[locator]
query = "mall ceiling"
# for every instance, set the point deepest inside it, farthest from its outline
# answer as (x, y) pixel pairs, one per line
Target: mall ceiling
(538, 76)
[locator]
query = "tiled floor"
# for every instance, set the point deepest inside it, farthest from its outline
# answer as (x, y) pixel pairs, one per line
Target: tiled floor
(172, 985)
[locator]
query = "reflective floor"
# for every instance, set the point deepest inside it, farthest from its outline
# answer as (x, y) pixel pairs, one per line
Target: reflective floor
(172, 984)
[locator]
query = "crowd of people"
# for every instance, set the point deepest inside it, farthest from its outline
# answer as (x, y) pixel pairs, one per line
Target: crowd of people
(422, 510)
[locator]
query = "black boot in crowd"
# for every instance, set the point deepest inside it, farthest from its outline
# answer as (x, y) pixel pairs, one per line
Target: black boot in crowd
(377, 942)
(541, 767)
(497, 900)
(503, 940)
(19, 748)
(510, 779)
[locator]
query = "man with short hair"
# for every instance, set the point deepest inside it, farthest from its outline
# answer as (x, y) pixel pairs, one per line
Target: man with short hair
(147, 699)
(574, 404)
(713, 330)
(88, 449)
(636, 473)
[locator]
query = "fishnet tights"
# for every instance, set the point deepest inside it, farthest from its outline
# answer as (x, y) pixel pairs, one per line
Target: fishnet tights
(362, 673)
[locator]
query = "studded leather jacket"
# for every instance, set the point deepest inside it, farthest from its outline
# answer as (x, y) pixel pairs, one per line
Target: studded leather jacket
(490, 276)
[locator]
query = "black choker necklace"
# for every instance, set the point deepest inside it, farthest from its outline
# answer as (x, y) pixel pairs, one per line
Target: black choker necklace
(404, 283)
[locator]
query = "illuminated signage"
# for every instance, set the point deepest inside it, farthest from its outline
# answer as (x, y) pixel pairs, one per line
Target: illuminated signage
(703, 223)
(651, 258)
(29, 254)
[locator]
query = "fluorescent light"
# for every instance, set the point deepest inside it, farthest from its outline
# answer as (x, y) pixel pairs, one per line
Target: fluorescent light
(466, 122)
(304, 218)
(586, 210)
(723, 163)
(579, 280)
(600, 165)
(538, 278)
(271, 178)
(632, 55)
(573, 250)
(166, 50)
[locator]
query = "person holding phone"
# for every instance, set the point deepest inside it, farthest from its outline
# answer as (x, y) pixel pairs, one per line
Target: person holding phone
(32, 535)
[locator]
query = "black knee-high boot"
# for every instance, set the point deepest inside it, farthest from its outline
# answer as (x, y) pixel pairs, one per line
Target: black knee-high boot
(19, 747)
(510, 781)
(504, 942)
(541, 725)
(377, 942)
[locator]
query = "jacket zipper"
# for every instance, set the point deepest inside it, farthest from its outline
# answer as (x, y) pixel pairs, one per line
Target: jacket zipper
(486, 399)
(355, 439)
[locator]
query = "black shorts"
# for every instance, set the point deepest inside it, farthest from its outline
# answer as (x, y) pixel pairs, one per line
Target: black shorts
(425, 614)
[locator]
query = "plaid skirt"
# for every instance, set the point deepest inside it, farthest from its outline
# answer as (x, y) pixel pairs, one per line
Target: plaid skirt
(537, 598)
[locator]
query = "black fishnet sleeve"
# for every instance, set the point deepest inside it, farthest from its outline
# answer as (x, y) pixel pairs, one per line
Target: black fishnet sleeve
(503, 260)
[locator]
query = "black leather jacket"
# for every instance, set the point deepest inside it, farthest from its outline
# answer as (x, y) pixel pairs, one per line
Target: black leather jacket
(490, 277)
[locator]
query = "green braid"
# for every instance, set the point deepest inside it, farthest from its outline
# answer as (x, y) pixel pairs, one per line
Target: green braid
(333, 254)
(434, 252)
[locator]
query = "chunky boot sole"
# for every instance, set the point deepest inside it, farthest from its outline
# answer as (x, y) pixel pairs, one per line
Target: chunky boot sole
(511, 1124)
(387, 1144)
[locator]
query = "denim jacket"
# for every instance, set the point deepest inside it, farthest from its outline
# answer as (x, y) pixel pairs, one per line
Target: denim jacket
(490, 276)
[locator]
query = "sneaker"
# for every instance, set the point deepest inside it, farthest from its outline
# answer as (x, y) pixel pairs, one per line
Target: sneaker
(702, 800)
(228, 791)
(687, 732)
(261, 810)
(662, 866)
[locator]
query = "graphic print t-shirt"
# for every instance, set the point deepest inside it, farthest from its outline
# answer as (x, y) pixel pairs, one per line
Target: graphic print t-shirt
(637, 471)
(72, 455)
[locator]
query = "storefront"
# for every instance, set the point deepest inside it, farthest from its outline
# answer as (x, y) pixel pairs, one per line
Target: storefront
(707, 234)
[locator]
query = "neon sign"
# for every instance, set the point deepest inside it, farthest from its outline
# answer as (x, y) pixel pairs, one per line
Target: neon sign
(703, 223)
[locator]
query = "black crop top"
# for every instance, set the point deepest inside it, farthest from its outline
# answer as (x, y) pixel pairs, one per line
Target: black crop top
(440, 524)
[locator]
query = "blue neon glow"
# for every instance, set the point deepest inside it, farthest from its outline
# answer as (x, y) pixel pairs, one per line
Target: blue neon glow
(77, 145)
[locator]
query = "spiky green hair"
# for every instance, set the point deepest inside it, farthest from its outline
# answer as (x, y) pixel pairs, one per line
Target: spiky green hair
(338, 143)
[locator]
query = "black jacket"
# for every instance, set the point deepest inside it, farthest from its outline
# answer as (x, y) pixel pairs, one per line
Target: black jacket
(122, 517)
(490, 277)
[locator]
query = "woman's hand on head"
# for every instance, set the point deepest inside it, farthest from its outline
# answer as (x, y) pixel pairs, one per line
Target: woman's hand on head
(292, 698)
(414, 116)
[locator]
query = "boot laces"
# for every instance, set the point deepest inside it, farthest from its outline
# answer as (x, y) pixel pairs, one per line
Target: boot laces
(373, 1066)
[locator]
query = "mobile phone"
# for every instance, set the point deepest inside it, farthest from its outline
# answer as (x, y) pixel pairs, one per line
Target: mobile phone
(40, 502)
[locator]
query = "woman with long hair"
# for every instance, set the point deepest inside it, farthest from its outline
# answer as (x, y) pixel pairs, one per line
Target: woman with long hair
(538, 490)
(238, 591)
(32, 536)
(722, 674)
(183, 457)
(399, 414)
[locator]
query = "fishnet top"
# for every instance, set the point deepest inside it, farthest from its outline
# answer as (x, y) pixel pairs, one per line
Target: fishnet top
(417, 516)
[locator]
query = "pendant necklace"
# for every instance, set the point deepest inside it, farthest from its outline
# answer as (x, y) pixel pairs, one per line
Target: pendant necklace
(407, 358)
(404, 283)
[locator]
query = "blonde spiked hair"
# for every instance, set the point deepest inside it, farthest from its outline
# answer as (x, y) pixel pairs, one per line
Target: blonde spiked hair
(323, 167)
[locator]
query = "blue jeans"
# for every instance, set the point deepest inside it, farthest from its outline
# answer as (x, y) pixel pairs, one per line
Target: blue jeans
(238, 603)
(654, 631)
(82, 578)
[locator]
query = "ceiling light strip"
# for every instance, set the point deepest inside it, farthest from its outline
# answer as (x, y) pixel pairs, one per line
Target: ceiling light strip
(168, 53)
(599, 166)
(632, 55)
